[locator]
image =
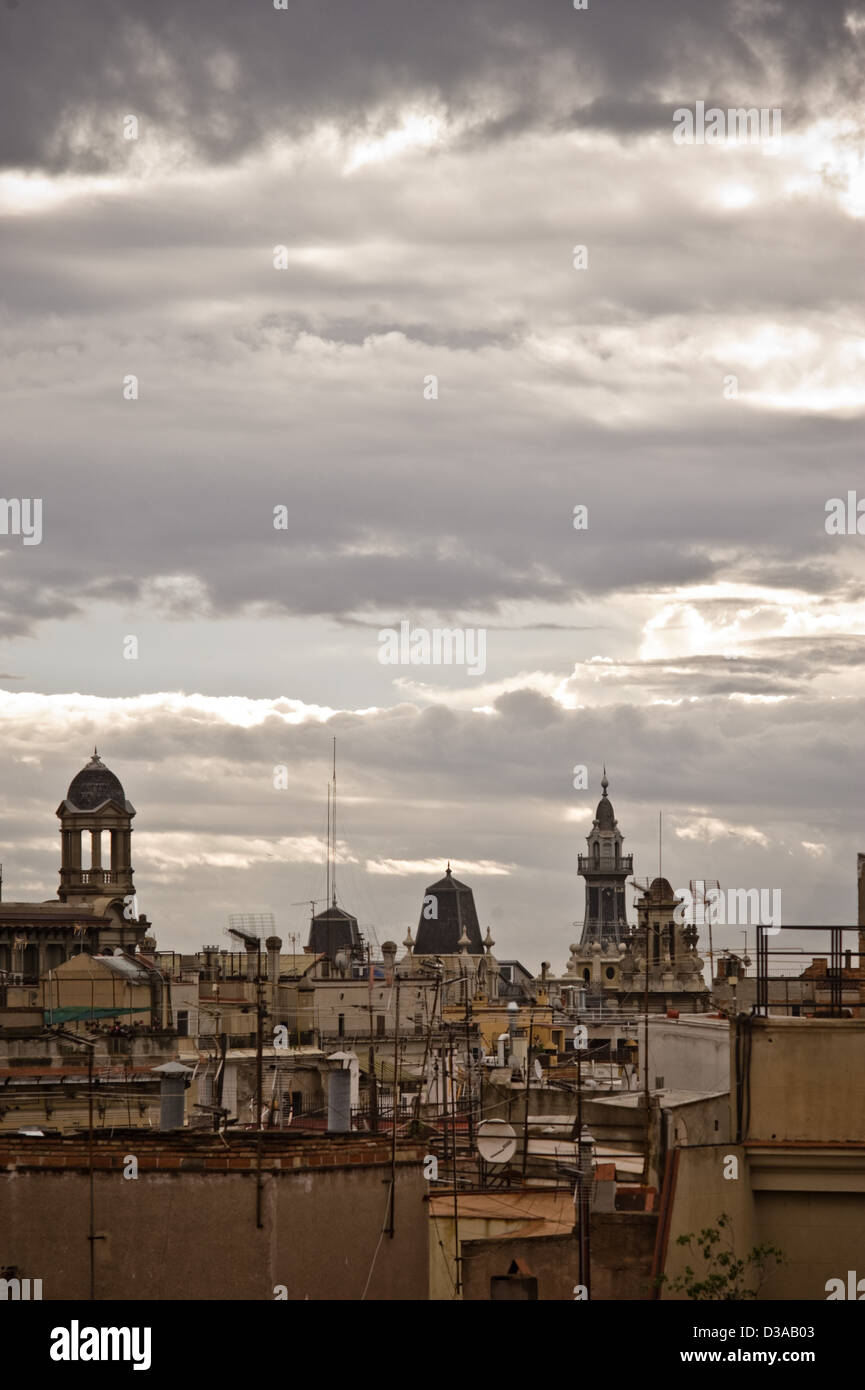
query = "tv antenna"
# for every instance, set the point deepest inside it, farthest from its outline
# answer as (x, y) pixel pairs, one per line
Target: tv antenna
(701, 888)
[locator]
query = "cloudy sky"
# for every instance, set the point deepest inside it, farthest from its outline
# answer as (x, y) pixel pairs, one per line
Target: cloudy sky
(428, 171)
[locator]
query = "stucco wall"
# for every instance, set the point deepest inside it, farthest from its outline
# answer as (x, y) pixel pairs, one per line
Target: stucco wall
(690, 1054)
(805, 1079)
(808, 1203)
(190, 1233)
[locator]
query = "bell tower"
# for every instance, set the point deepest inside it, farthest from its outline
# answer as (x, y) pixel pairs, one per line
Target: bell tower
(96, 836)
(605, 869)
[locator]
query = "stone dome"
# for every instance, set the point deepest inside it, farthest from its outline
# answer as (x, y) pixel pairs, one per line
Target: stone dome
(94, 785)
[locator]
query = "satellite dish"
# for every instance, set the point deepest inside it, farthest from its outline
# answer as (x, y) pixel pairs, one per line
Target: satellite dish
(497, 1141)
(539, 1071)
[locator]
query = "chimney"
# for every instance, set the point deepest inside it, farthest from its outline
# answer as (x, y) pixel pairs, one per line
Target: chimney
(253, 949)
(274, 946)
(211, 961)
(339, 1100)
(172, 1094)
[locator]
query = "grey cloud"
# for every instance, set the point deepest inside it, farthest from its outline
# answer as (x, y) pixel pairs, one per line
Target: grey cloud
(227, 77)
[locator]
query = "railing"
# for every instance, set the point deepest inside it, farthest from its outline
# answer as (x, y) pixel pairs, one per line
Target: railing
(833, 980)
(101, 876)
(606, 864)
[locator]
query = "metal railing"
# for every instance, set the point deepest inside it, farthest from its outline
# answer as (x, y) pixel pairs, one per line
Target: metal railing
(606, 864)
(833, 981)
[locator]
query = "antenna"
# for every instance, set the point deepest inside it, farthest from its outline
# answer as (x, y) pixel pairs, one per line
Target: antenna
(701, 888)
(333, 826)
(327, 870)
(330, 898)
(302, 902)
(252, 925)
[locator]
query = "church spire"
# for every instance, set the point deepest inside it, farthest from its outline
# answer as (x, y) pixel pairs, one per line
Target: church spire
(605, 869)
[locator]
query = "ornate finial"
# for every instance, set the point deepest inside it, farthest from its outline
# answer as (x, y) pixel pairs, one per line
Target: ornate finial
(448, 869)
(408, 943)
(464, 943)
(604, 782)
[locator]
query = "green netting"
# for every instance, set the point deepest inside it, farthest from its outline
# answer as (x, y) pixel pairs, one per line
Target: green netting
(77, 1011)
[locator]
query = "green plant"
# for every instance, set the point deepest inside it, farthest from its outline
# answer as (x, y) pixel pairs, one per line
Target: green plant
(725, 1276)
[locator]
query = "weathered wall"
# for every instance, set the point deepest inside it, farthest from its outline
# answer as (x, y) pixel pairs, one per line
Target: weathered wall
(622, 1247)
(189, 1232)
(621, 1256)
(691, 1054)
(808, 1203)
(702, 1194)
(704, 1121)
(805, 1079)
(553, 1260)
(820, 1234)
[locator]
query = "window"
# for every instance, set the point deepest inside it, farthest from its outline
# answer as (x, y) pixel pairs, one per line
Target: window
(610, 973)
(379, 1025)
(183, 1023)
(340, 1026)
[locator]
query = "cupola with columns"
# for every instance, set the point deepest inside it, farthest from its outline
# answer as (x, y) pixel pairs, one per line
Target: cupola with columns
(96, 836)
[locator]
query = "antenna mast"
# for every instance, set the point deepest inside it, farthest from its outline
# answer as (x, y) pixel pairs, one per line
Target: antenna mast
(327, 861)
(333, 826)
